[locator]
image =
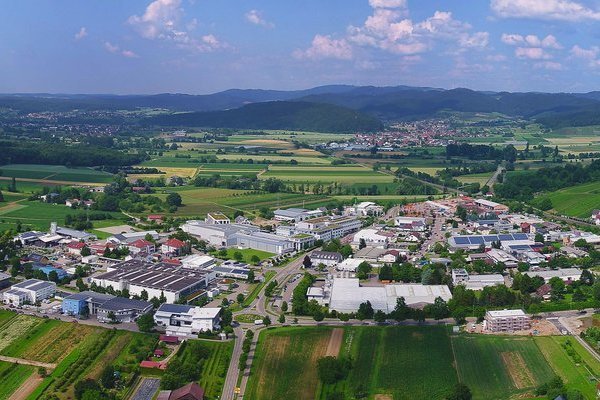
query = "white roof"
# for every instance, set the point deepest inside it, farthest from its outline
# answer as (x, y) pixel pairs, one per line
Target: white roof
(197, 259)
(507, 313)
(205, 312)
(486, 278)
(487, 203)
(560, 273)
(347, 295)
(349, 264)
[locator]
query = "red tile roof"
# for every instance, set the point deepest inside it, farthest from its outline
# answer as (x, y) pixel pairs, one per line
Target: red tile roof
(178, 244)
(141, 244)
(191, 391)
(76, 245)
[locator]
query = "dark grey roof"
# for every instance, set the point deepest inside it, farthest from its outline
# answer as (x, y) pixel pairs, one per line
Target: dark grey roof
(326, 255)
(174, 308)
(122, 304)
(90, 296)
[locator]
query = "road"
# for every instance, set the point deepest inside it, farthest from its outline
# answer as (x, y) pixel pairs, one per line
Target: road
(14, 360)
(436, 235)
(146, 389)
(490, 182)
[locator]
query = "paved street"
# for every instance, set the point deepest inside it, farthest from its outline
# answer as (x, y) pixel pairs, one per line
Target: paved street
(146, 389)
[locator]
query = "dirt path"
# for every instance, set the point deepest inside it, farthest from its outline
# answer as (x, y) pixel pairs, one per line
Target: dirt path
(27, 387)
(12, 206)
(27, 362)
(335, 342)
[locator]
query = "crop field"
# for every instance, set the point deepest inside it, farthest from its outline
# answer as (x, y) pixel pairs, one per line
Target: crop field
(55, 172)
(280, 356)
(38, 215)
(302, 158)
(16, 327)
(215, 368)
(12, 377)
(339, 174)
(496, 367)
(475, 178)
(417, 363)
(581, 376)
(576, 201)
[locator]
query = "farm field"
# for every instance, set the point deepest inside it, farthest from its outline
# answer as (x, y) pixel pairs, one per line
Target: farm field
(301, 157)
(417, 363)
(497, 367)
(280, 355)
(575, 201)
(475, 178)
(38, 215)
(339, 174)
(215, 368)
(55, 172)
(12, 377)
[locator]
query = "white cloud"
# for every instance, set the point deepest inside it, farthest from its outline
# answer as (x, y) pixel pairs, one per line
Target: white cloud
(387, 3)
(550, 65)
(323, 46)
(115, 49)
(81, 33)
(562, 10)
(163, 20)
(586, 54)
(112, 48)
(532, 53)
(255, 17)
(549, 42)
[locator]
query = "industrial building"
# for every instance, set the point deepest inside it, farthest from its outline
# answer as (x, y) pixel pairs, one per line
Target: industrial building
(328, 258)
(566, 274)
(120, 309)
(30, 291)
(156, 279)
(75, 304)
(296, 214)
(507, 320)
(184, 320)
(474, 242)
(475, 282)
(346, 295)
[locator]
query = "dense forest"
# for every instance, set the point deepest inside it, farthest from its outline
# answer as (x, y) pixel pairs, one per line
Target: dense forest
(523, 186)
(301, 116)
(14, 152)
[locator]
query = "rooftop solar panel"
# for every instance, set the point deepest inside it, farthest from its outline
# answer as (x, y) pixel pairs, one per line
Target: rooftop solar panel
(520, 236)
(461, 240)
(490, 238)
(505, 237)
(476, 240)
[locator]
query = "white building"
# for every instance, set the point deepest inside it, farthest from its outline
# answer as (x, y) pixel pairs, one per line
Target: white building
(29, 291)
(347, 295)
(216, 219)
(296, 214)
(410, 224)
(184, 320)
(328, 227)
(327, 258)
(349, 265)
(566, 274)
(371, 237)
(507, 320)
(364, 209)
(197, 261)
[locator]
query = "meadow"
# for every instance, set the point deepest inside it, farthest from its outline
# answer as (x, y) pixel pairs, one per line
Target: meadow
(417, 363)
(340, 174)
(55, 173)
(12, 377)
(575, 201)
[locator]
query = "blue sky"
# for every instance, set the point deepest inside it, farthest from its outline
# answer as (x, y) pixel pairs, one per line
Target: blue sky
(203, 46)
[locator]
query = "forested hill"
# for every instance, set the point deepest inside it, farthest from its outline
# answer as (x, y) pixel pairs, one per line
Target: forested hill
(288, 115)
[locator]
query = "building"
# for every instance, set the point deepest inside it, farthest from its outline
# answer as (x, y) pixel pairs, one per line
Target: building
(364, 209)
(77, 303)
(174, 247)
(218, 235)
(30, 291)
(295, 214)
(410, 224)
(328, 227)
(491, 206)
(125, 239)
(475, 282)
(501, 256)
(371, 237)
(184, 320)
(347, 295)
(75, 248)
(4, 280)
(191, 391)
(263, 241)
(474, 242)
(217, 219)
(198, 261)
(156, 280)
(232, 270)
(566, 274)
(328, 258)
(122, 310)
(459, 275)
(507, 320)
(596, 217)
(141, 246)
(349, 265)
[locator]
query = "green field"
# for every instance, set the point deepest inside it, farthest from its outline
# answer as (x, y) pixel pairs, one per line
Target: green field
(247, 254)
(55, 173)
(215, 368)
(576, 201)
(12, 377)
(417, 363)
(499, 367)
(339, 174)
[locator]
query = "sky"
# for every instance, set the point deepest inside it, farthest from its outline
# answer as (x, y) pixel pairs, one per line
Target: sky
(205, 46)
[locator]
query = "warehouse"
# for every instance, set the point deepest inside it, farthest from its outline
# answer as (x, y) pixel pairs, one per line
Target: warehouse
(156, 279)
(30, 291)
(347, 295)
(474, 242)
(262, 241)
(184, 320)
(120, 309)
(566, 274)
(77, 303)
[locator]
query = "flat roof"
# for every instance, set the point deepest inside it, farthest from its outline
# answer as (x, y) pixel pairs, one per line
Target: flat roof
(507, 313)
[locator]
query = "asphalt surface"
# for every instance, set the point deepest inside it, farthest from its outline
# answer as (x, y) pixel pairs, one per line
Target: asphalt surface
(146, 389)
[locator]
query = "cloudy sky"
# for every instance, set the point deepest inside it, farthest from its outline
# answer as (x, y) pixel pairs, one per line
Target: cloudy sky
(203, 46)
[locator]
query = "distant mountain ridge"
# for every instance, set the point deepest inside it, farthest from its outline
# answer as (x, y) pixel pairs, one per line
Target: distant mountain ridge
(392, 103)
